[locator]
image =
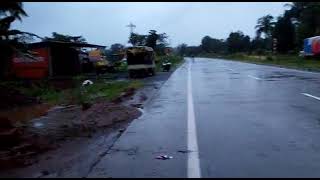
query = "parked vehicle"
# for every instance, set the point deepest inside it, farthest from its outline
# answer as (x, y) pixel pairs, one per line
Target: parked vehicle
(166, 66)
(140, 61)
(311, 46)
(100, 63)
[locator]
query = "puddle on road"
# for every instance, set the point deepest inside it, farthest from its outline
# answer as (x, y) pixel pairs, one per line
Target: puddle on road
(279, 76)
(276, 76)
(38, 124)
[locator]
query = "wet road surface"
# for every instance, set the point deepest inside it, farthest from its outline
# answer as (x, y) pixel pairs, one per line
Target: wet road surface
(249, 121)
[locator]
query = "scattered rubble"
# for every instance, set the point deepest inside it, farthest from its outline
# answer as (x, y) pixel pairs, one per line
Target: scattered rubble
(164, 157)
(137, 105)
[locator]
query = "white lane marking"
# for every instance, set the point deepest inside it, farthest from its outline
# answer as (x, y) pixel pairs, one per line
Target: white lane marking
(193, 156)
(309, 95)
(254, 77)
(230, 69)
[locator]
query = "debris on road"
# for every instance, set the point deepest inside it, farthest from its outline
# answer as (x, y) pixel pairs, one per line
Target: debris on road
(164, 157)
(87, 82)
(143, 97)
(184, 151)
(138, 105)
(166, 66)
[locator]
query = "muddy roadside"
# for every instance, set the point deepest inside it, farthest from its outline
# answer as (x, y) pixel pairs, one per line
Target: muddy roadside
(76, 155)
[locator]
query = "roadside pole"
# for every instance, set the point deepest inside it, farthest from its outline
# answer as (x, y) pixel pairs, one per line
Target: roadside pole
(274, 46)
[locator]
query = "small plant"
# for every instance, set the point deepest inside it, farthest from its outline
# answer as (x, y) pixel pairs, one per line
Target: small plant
(269, 58)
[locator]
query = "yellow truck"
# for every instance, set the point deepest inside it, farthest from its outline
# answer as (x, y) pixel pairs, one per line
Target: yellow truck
(140, 61)
(100, 63)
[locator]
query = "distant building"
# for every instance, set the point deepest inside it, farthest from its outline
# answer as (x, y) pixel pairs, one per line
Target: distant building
(51, 59)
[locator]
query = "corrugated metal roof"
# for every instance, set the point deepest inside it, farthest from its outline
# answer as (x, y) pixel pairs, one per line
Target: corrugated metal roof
(70, 44)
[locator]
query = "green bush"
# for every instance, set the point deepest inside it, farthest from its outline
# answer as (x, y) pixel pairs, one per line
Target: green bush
(269, 58)
(173, 59)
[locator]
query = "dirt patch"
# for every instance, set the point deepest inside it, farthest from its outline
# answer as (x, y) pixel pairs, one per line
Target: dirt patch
(105, 114)
(124, 95)
(21, 144)
(18, 146)
(25, 113)
(11, 98)
(29, 127)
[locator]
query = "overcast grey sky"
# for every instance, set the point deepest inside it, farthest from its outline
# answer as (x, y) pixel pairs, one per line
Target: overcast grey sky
(105, 22)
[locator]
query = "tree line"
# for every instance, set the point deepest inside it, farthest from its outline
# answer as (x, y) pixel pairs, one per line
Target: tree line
(285, 32)
(300, 21)
(13, 41)
(157, 41)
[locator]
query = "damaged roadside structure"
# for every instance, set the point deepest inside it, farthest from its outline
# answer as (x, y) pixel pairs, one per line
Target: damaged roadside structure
(50, 59)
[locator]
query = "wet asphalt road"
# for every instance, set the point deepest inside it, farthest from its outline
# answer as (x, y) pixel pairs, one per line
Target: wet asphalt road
(251, 121)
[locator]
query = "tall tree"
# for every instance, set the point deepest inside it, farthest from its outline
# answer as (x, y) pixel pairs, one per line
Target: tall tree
(307, 16)
(238, 42)
(206, 44)
(11, 40)
(116, 48)
(14, 9)
(153, 39)
(65, 38)
(284, 32)
(209, 44)
(137, 39)
(265, 26)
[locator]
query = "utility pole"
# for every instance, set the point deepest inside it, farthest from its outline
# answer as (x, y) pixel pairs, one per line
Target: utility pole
(275, 43)
(131, 26)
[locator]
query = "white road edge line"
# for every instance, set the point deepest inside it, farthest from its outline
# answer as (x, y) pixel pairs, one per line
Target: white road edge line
(193, 156)
(254, 77)
(309, 95)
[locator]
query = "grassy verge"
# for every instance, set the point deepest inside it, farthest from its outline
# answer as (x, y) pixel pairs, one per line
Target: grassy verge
(105, 90)
(287, 61)
(173, 59)
(100, 89)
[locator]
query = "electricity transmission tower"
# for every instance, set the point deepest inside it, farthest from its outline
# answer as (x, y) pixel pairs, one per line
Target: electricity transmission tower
(131, 26)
